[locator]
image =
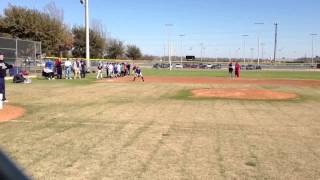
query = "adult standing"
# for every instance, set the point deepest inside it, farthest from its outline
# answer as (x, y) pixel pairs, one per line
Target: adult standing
(83, 68)
(110, 70)
(58, 65)
(100, 68)
(231, 68)
(237, 70)
(128, 68)
(68, 68)
(3, 72)
(76, 68)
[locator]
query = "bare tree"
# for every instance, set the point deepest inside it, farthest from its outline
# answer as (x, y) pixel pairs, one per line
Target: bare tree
(54, 11)
(98, 27)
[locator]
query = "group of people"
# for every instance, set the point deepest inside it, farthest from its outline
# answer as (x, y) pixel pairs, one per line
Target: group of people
(77, 70)
(116, 70)
(113, 70)
(55, 69)
(234, 69)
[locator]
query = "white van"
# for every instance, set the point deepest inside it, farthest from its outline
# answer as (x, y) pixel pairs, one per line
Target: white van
(179, 66)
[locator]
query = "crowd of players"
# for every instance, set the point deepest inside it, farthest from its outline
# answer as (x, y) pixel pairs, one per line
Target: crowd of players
(77, 69)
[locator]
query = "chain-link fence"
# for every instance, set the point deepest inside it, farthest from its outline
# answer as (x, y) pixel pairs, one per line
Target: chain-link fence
(24, 54)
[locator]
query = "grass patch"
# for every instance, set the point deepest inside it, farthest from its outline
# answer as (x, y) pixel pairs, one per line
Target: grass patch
(306, 75)
(251, 163)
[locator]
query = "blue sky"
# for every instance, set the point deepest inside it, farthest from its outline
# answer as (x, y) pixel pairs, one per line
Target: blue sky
(218, 24)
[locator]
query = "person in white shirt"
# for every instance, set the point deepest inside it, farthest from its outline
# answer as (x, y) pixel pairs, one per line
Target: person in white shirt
(76, 68)
(110, 71)
(68, 69)
(118, 70)
(100, 68)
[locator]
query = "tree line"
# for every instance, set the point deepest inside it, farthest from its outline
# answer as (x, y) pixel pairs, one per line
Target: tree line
(57, 38)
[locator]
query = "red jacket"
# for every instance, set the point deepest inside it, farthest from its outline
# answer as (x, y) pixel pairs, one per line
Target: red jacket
(237, 67)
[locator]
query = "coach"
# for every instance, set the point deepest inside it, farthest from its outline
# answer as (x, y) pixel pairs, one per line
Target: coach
(3, 68)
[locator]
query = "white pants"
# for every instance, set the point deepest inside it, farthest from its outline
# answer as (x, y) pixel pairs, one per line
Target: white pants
(99, 74)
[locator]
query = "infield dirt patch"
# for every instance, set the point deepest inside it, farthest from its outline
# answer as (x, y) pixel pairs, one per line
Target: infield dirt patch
(250, 94)
(10, 112)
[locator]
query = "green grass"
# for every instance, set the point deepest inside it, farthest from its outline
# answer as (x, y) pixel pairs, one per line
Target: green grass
(88, 80)
(78, 129)
(245, 74)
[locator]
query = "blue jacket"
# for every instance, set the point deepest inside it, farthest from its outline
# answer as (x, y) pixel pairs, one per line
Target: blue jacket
(3, 69)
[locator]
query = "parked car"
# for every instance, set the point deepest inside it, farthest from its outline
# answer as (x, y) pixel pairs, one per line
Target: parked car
(194, 66)
(165, 65)
(179, 66)
(249, 67)
(253, 67)
(258, 67)
(202, 66)
(186, 66)
(216, 66)
(318, 66)
(157, 66)
(209, 66)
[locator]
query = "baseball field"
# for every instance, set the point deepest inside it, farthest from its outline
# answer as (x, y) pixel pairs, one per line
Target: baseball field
(163, 129)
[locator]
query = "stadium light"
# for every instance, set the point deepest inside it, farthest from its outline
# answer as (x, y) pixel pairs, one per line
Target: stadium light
(86, 5)
(181, 36)
(202, 48)
(312, 46)
(169, 44)
(244, 47)
(259, 23)
(252, 54)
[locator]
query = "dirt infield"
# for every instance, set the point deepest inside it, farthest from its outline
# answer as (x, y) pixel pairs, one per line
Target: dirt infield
(250, 94)
(10, 112)
(209, 80)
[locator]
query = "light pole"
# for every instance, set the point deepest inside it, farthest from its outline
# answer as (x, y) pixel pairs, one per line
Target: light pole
(244, 47)
(181, 36)
(169, 44)
(216, 55)
(86, 5)
(252, 54)
(259, 23)
(262, 50)
(238, 53)
(312, 46)
(201, 51)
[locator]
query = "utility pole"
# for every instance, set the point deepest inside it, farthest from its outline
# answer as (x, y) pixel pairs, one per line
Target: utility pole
(86, 4)
(262, 50)
(252, 54)
(244, 47)
(275, 42)
(201, 46)
(181, 36)
(312, 46)
(259, 23)
(169, 44)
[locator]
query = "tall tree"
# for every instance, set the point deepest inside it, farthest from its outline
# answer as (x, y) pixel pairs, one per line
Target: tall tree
(133, 52)
(115, 49)
(54, 12)
(97, 43)
(38, 26)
